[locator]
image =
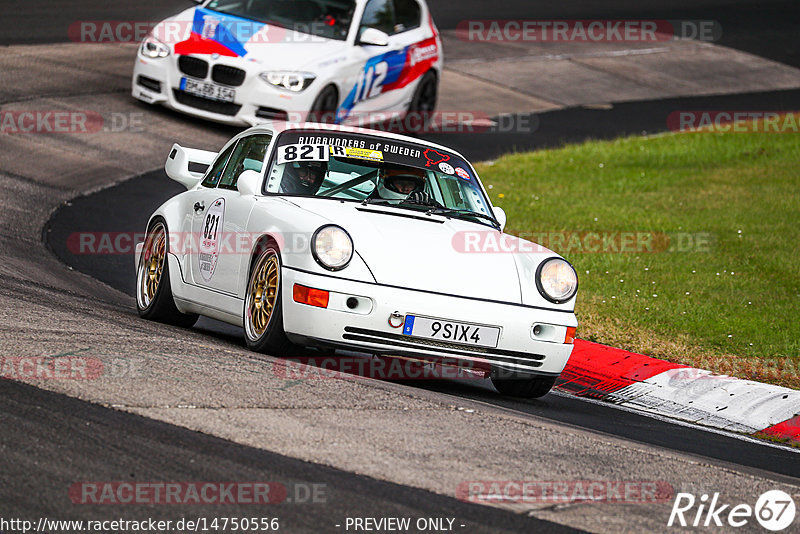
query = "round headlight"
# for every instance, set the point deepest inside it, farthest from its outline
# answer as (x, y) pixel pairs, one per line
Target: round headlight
(556, 280)
(332, 247)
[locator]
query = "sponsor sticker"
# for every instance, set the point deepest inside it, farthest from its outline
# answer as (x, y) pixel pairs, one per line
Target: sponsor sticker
(446, 168)
(358, 153)
(462, 173)
(420, 53)
(434, 157)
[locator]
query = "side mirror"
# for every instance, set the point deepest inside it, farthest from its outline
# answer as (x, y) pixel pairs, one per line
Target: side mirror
(248, 183)
(500, 215)
(373, 37)
(188, 165)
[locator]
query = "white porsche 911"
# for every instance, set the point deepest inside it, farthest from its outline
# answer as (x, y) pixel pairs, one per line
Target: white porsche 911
(246, 61)
(335, 237)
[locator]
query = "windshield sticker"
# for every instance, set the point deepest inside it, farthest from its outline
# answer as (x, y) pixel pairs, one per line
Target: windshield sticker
(303, 152)
(305, 146)
(462, 173)
(434, 157)
(359, 153)
(210, 242)
(446, 168)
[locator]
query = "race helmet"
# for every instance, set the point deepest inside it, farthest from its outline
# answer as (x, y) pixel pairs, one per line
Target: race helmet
(396, 183)
(304, 177)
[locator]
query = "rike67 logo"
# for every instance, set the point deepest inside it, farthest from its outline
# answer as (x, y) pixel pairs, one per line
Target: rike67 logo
(774, 510)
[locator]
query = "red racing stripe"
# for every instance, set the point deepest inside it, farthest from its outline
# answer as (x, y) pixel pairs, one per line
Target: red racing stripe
(195, 44)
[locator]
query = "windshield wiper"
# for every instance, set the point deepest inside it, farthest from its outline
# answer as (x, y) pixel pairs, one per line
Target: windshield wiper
(452, 211)
(377, 201)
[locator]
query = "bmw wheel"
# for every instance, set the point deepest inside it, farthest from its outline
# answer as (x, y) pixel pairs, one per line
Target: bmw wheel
(424, 100)
(324, 107)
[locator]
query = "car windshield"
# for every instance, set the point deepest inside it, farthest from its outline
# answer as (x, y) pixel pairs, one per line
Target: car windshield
(376, 170)
(324, 18)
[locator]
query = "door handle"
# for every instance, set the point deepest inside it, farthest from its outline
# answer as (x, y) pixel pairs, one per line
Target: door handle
(199, 207)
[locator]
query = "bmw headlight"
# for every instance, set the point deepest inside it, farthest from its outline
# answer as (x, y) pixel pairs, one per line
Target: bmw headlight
(332, 247)
(556, 280)
(153, 48)
(293, 81)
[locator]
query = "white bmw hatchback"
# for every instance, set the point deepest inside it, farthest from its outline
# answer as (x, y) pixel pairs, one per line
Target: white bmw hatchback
(247, 62)
(336, 237)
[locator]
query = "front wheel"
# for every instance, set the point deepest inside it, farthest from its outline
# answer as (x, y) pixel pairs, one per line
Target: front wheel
(528, 388)
(153, 292)
(263, 313)
(424, 99)
(324, 107)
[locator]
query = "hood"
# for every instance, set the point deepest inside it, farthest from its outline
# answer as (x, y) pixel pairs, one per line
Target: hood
(421, 253)
(203, 31)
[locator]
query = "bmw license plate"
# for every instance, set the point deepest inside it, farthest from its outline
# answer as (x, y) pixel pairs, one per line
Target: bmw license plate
(208, 90)
(452, 331)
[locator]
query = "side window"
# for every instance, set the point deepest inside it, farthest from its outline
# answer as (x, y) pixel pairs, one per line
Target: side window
(215, 172)
(407, 15)
(378, 14)
(248, 156)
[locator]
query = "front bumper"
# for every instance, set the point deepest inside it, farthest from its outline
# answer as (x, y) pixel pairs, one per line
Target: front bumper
(157, 81)
(367, 327)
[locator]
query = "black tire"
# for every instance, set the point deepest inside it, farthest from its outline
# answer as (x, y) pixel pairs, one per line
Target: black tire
(528, 388)
(424, 99)
(154, 299)
(263, 326)
(324, 107)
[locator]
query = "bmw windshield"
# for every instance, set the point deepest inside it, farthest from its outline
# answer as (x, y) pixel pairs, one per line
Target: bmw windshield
(322, 18)
(376, 170)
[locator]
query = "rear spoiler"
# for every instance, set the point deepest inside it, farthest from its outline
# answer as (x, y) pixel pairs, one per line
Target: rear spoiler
(187, 166)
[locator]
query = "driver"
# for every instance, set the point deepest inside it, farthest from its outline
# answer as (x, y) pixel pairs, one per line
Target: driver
(303, 178)
(401, 183)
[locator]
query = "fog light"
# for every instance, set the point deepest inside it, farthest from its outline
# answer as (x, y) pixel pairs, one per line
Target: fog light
(310, 296)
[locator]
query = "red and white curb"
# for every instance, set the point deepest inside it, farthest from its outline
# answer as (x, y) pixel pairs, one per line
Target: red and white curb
(680, 392)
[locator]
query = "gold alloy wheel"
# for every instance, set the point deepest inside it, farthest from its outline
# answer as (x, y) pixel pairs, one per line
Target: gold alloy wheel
(151, 265)
(262, 295)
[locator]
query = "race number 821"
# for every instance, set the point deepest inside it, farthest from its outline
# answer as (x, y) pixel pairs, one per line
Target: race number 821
(290, 153)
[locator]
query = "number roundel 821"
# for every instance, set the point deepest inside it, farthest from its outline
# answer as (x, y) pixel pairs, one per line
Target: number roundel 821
(299, 152)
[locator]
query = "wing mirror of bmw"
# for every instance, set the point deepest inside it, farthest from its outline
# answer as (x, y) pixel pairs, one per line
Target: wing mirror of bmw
(373, 37)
